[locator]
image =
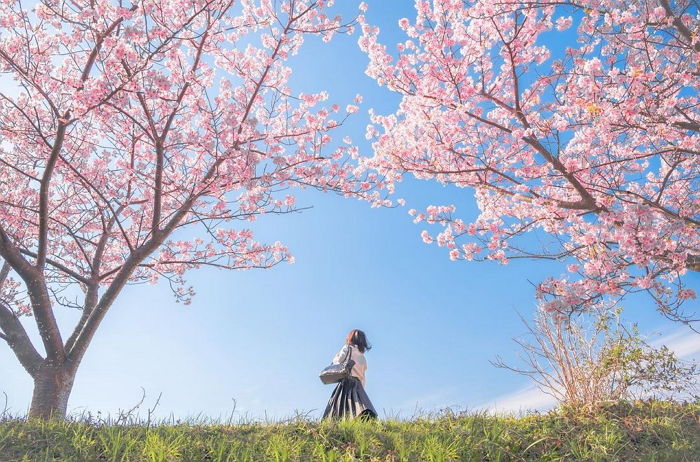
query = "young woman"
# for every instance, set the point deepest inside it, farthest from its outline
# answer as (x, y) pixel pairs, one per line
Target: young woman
(349, 399)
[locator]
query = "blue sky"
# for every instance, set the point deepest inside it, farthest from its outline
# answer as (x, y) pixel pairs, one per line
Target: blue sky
(261, 337)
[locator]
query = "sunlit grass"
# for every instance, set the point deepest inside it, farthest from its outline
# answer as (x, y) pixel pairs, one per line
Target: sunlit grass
(649, 431)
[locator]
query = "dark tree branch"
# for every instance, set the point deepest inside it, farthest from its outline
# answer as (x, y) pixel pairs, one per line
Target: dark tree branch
(59, 266)
(44, 193)
(680, 27)
(16, 337)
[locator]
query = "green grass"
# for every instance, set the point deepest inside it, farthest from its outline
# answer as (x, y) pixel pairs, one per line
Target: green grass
(647, 431)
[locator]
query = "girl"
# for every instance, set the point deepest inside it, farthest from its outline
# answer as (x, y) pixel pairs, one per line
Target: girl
(349, 399)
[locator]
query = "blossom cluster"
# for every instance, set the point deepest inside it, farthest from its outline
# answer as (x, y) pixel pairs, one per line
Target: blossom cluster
(590, 144)
(137, 128)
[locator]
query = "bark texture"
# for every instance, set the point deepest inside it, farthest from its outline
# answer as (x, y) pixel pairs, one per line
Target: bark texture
(52, 388)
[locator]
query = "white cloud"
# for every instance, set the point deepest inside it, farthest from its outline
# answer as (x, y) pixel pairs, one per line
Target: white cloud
(526, 399)
(684, 342)
(438, 398)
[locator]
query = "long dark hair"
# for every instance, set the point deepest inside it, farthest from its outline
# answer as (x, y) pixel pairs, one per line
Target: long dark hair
(359, 339)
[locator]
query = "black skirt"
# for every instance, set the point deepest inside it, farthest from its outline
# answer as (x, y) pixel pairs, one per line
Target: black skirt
(349, 400)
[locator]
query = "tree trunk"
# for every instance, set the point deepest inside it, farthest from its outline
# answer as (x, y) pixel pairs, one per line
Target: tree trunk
(52, 387)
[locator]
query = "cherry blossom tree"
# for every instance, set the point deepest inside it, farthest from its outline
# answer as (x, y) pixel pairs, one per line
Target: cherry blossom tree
(137, 139)
(576, 126)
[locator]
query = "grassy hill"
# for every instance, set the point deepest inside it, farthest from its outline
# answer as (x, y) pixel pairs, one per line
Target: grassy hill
(651, 431)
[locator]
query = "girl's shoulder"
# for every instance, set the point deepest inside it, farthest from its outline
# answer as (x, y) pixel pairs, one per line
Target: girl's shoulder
(354, 348)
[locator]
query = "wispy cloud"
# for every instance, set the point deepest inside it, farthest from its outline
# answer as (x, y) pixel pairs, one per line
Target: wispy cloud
(432, 400)
(526, 399)
(440, 397)
(684, 342)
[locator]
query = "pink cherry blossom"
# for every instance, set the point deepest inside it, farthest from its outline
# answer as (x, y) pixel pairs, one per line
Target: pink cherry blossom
(595, 153)
(138, 140)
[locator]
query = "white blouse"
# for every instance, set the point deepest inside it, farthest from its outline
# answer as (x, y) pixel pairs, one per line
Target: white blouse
(360, 367)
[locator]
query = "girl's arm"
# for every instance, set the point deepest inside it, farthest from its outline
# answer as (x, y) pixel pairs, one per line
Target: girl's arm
(340, 356)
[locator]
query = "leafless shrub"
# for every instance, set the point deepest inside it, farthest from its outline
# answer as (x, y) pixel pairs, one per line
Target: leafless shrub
(588, 359)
